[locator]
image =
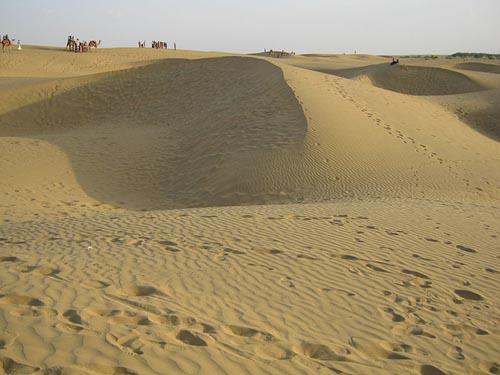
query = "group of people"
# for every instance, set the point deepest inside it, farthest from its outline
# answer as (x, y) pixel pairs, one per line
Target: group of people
(278, 54)
(7, 42)
(157, 45)
(77, 45)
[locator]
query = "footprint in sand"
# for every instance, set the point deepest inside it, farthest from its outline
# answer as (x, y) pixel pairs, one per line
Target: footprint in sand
(125, 317)
(415, 273)
(9, 366)
(170, 320)
(418, 282)
(262, 344)
(47, 271)
(384, 349)
(68, 327)
(468, 295)
(460, 331)
(421, 257)
(228, 250)
(489, 367)
(349, 257)
(242, 331)
(170, 246)
(375, 268)
(190, 338)
(109, 370)
(419, 331)
(413, 330)
(128, 343)
(431, 239)
(167, 243)
(190, 322)
(269, 251)
(390, 314)
(395, 350)
(466, 249)
(250, 332)
(97, 284)
(72, 316)
(140, 291)
(456, 353)
(431, 370)
(318, 351)
(19, 299)
(23, 268)
(287, 281)
(273, 351)
(33, 312)
(305, 256)
(6, 339)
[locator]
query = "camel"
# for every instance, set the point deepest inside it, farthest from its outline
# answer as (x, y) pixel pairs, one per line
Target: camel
(77, 46)
(94, 44)
(71, 45)
(6, 43)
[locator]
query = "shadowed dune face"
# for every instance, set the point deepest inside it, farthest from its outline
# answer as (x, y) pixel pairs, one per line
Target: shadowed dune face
(486, 121)
(480, 67)
(479, 110)
(411, 80)
(176, 133)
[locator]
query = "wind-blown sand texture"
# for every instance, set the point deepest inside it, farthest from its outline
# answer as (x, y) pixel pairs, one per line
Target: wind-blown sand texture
(182, 212)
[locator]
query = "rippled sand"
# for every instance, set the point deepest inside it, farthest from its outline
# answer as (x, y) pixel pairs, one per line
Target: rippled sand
(182, 212)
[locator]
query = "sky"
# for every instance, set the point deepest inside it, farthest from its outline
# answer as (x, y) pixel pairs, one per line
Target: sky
(320, 26)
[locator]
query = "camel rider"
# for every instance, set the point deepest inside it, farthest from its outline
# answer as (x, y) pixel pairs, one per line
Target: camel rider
(6, 37)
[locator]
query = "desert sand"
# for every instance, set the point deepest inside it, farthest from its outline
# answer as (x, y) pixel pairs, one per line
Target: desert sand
(181, 212)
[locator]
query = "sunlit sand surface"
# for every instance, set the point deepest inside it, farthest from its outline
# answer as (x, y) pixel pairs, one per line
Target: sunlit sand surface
(179, 212)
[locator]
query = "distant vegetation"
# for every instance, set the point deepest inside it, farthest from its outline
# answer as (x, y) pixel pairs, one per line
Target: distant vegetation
(462, 55)
(427, 57)
(475, 55)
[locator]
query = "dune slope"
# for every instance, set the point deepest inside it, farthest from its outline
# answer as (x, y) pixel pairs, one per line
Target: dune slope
(206, 117)
(236, 130)
(469, 90)
(479, 67)
(412, 80)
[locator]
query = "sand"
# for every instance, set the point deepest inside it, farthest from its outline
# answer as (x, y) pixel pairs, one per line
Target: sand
(180, 212)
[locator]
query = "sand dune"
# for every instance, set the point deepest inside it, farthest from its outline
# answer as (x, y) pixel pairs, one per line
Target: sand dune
(479, 67)
(411, 80)
(200, 213)
(127, 134)
(471, 94)
(479, 110)
(171, 115)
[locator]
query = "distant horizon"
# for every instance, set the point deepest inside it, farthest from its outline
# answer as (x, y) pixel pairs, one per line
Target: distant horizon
(148, 46)
(374, 27)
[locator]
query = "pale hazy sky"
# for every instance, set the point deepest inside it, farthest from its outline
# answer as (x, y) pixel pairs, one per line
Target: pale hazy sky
(368, 26)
